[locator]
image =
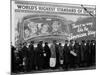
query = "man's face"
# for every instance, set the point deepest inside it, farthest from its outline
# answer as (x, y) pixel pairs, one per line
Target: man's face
(72, 42)
(25, 44)
(41, 42)
(66, 42)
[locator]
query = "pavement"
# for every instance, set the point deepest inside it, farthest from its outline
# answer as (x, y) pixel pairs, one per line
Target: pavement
(57, 70)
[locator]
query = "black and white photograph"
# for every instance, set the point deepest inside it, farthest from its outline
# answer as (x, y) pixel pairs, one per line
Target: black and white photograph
(52, 37)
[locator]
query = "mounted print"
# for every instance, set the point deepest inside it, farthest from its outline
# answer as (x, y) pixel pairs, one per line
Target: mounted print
(52, 37)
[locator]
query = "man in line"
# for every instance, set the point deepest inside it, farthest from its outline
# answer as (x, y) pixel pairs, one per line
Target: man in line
(83, 49)
(13, 62)
(31, 56)
(72, 53)
(53, 55)
(39, 54)
(66, 54)
(47, 55)
(25, 56)
(60, 48)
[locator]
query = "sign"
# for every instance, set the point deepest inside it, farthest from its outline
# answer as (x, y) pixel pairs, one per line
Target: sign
(40, 7)
(44, 25)
(83, 28)
(52, 21)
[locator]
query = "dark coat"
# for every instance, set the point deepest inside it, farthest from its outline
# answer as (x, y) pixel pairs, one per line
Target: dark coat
(47, 57)
(72, 57)
(66, 54)
(25, 51)
(83, 49)
(39, 52)
(25, 55)
(13, 65)
(47, 51)
(77, 51)
(31, 56)
(31, 50)
(93, 52)
(87, 53)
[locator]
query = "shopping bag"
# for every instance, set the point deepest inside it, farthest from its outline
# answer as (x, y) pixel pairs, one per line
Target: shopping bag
(73, 53)
(61, 61)
(52, 62)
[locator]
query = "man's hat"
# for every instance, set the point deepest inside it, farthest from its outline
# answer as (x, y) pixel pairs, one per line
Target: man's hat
(32, 41)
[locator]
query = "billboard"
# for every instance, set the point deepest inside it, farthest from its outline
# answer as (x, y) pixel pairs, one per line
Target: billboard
(44, 25)
(84, 29)
(47, 21)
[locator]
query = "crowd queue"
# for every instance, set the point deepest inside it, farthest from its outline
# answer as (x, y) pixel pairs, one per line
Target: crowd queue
(72, 55)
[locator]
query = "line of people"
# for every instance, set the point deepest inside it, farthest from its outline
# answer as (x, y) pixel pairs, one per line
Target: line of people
(72, 55)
